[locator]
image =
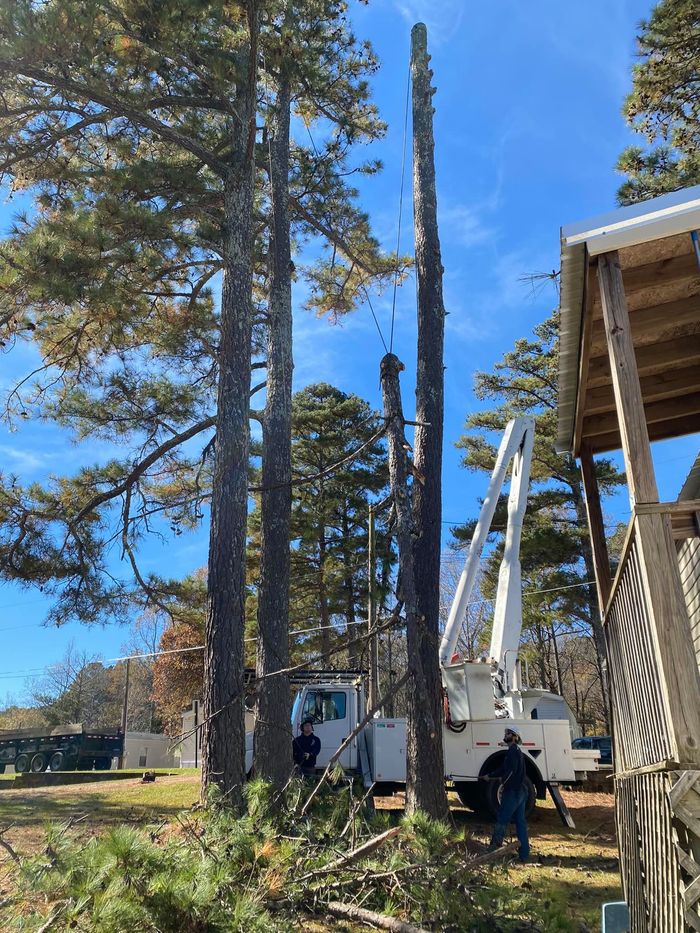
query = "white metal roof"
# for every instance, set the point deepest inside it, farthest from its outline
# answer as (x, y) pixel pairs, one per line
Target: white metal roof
(654, 219)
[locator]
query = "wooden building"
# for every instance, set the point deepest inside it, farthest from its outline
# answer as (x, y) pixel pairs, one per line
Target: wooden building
(629, 374)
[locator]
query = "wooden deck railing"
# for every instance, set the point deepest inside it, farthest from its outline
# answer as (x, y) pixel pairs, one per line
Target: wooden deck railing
(642, 735)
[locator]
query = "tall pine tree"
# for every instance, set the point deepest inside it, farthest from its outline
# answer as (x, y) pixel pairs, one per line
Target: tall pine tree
(664, 104)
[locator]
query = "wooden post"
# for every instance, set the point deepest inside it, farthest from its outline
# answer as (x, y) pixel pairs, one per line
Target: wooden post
(660, 577)
(596, 526)
(125, 710)
(373, 693)
(641, 480)
(427, 490)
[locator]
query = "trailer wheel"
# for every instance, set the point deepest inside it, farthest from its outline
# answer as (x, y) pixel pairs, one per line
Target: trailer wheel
(492, 792)
(21, 763)
(38, 763)
(56, 761)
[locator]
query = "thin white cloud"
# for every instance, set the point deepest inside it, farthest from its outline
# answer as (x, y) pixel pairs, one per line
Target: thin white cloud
(442, 19)
(15, 458)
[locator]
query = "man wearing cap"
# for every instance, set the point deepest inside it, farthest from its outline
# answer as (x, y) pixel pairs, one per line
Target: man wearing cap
(513, 779)
(305, 748)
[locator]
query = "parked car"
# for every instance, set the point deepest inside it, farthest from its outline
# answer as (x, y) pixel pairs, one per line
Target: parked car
(602, 742)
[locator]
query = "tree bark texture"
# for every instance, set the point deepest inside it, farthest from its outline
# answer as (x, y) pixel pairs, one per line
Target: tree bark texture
(424, 764)
(223, 739)
(427, 494)
(273, 737)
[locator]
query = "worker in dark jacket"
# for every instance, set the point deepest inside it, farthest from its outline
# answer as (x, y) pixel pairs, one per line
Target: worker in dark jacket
(513, 778)
(306, 747)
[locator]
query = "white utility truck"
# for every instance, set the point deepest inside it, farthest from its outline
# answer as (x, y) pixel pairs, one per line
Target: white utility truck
(481, 697)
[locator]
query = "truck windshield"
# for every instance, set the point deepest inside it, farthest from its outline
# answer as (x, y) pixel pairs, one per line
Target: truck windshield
(295, 706)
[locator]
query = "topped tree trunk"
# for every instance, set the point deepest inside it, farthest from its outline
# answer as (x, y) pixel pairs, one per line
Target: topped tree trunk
(223, 745)
(273, 739)
(428, 791)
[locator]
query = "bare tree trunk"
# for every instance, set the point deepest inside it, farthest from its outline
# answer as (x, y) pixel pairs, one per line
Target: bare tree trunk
(592, 601)
(424, 765)
(273, 749)
(427, 496)
(223, 740)
(323, 613)
(354, 651)
(557, 667)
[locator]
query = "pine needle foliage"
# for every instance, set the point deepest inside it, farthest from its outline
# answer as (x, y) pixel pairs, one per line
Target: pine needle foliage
(269, 870)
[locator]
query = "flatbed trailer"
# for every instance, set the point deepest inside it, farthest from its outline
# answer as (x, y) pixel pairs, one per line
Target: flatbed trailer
(69, 747)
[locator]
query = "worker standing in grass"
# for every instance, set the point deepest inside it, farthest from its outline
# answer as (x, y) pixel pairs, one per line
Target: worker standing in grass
(513, 779)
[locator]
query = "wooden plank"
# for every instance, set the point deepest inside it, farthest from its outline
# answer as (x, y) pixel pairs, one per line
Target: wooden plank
(596, 527)
(653, 324)
(659, 430)
(676, 353)
(667, 384)
(659, 274)
(664, 410)
(639, 467)
(670, 628)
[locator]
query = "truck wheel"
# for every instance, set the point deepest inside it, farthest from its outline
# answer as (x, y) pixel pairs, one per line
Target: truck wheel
(2, 769)
(103, 764)
(21, 763)
(38, 763)
(56, 761)
(491, 797)
(469, 793)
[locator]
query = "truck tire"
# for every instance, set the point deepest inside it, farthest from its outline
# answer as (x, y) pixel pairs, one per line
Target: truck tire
(491, 797)
(21, 763)
(38, 763)
(2, 769)
(469, 793)
(57, 762)
(103, 764)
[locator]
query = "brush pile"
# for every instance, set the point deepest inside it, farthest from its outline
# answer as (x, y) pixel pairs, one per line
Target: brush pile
(339, 865)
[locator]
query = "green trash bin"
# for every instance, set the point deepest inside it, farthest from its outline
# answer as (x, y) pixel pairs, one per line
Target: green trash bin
(616, 917)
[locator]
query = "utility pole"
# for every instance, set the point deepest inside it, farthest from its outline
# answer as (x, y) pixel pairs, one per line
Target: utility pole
(373, 692)
(427, 488)
(125, 710)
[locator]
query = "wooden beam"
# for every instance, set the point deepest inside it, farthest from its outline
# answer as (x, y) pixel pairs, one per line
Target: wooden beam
(664, 410)
(658, 431)
(654, 324)
(669, 354)
(659, 273)
(588, 288)
(596, 527)
(641, 481)
(663, 385)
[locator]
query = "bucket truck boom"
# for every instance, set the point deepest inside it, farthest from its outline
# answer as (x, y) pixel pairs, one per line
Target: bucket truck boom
(516, 446)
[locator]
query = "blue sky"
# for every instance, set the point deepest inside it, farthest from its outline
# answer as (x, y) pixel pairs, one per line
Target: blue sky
(528, 130)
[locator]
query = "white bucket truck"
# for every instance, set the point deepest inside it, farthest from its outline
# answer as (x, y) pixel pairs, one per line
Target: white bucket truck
(480, 697)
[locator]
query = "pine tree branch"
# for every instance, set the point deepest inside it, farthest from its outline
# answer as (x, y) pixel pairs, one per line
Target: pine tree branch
(117, 108)
(143, 466)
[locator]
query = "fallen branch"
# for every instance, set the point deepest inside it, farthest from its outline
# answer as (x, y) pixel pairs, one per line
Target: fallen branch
(362, 915)
(490, 856)
(356, 854)
(7, 847)
(52, 919)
